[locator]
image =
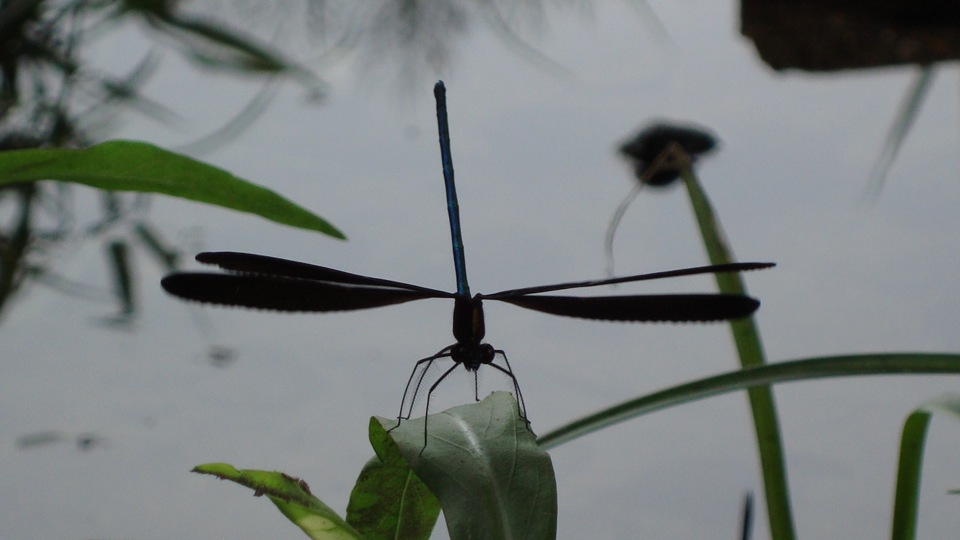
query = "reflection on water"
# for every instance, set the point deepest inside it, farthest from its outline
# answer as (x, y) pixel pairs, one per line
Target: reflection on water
(84, 441)
(413, 40)
(409, 36)
(51, 96)
(822, 36)
(839, 35)
(312, 422)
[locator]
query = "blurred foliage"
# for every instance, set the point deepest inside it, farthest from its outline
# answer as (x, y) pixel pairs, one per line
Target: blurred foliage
(54, 96)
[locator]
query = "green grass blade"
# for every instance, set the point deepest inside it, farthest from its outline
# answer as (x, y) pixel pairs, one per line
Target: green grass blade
(797, 370)
(910, 466)
(141, 167)
(291, 496)
(906, 502)
(750, 350)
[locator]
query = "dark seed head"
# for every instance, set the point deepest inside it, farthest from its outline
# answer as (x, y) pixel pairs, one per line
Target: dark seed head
(644, 149)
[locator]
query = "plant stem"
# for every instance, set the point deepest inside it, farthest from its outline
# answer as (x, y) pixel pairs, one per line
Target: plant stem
(750, 350)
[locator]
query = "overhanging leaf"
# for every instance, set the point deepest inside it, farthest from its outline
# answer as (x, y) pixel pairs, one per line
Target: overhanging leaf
(141, 167)
(291, 496)
(484, 465)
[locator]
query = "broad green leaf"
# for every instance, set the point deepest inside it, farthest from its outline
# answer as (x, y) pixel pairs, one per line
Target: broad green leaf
(483, 463)
(292, 496)
(389, 501)
(910, 467)
(142, 167)
(779, 372)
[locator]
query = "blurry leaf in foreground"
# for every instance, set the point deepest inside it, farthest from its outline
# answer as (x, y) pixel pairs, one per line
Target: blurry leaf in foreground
(141, 167)
(485, 467)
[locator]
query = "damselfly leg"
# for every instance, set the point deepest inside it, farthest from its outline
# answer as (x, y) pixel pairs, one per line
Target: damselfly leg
(471, 359)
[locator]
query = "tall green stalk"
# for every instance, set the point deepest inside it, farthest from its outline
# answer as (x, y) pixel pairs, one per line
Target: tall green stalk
(750, 349)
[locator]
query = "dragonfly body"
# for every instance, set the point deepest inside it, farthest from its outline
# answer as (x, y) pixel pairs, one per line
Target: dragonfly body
(258, 281)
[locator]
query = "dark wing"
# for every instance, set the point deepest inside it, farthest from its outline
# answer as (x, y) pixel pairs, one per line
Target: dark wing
(274, 266)
(642, 308)
(283, 294)
(711, 269)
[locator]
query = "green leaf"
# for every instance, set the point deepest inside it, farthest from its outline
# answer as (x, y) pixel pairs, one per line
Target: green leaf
(910, 467)
(779, 372)
(389, 501)
(142, 167)
(483, 463)
(292, 496)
